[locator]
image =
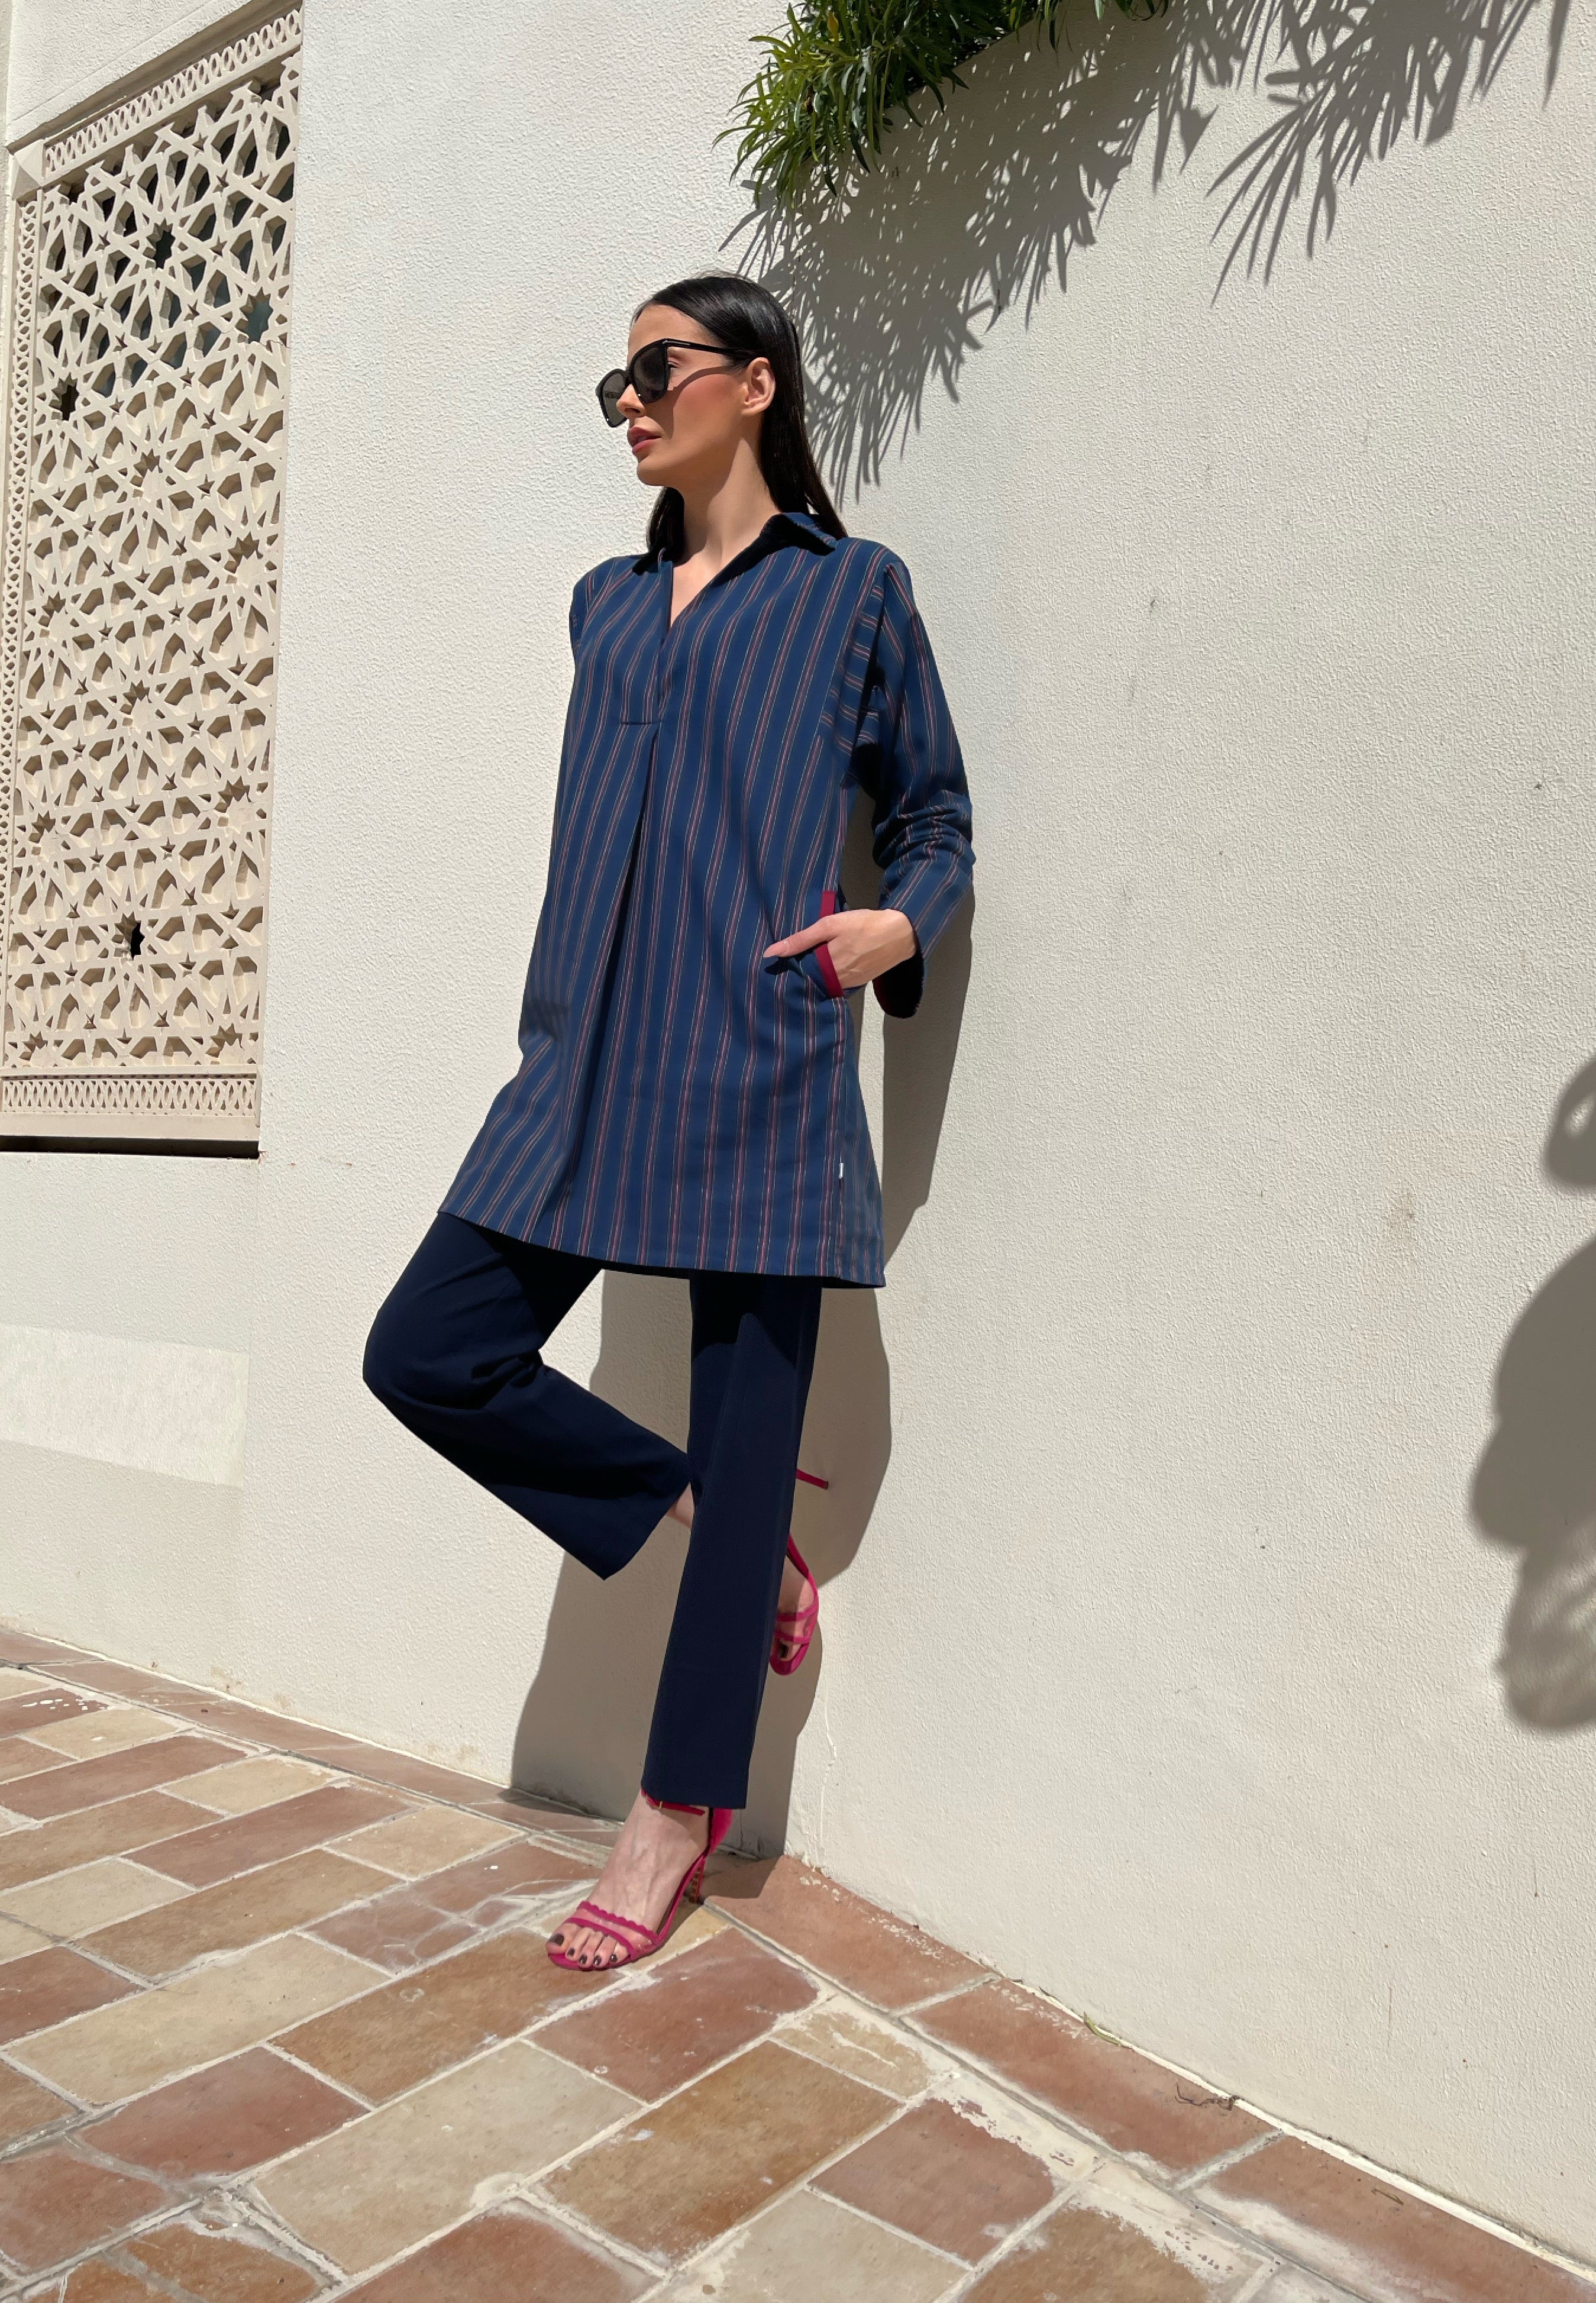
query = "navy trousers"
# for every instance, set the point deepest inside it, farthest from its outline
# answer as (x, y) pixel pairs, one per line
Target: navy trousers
(454, 1353)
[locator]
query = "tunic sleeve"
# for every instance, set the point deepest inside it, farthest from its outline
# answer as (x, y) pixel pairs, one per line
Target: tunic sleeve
(580, 598)
(907, 757)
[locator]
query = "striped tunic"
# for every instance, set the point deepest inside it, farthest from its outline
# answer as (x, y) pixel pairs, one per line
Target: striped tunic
(683, 1103)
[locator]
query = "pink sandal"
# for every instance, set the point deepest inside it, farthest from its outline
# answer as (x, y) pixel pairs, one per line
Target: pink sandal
(805, 1618)
(636, 1940)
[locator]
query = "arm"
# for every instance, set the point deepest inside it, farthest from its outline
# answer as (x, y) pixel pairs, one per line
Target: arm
(906, 756)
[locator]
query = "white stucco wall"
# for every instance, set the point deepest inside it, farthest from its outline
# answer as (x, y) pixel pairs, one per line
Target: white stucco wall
(1172, 1660)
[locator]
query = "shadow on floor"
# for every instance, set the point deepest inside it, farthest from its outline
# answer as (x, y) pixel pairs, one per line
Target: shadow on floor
(1534, 1488)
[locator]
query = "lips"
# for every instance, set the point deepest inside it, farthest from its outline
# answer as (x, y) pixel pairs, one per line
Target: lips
(637, 440)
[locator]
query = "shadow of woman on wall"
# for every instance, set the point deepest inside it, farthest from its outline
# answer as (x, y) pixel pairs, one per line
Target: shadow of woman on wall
(1534, 1488)
(583, 1725)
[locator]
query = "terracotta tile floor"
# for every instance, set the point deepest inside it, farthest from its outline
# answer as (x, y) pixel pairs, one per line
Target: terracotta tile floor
(277, 2024)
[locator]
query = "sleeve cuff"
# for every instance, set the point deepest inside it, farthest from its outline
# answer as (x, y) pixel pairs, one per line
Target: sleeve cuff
(898, 989)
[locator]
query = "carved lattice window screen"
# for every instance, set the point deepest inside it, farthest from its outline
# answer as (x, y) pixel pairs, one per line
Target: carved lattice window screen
(138, 649)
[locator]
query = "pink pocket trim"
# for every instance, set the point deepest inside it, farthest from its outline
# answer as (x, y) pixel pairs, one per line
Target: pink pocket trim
(823, 951)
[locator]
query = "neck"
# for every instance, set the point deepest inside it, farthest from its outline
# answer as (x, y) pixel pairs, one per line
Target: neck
(725, 516)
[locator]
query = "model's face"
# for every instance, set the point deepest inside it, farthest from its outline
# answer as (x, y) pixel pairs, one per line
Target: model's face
(687, 438)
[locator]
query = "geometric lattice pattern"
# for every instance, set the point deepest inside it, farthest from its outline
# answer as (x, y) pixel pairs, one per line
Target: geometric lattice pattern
(141, 619)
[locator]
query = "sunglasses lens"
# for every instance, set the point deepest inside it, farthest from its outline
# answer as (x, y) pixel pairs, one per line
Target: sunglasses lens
(610, 390)
(651, 371)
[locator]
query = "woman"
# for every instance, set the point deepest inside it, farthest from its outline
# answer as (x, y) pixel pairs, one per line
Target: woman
(688, 1098)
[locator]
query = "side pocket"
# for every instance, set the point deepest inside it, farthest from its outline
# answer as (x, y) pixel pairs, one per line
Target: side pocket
(817, 962)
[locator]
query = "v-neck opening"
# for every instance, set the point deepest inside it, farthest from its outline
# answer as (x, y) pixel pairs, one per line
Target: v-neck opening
(720, 573)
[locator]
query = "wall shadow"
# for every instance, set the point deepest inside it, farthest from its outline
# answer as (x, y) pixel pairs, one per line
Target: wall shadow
(979, 207)
(583, 1725)
(1534, 1486)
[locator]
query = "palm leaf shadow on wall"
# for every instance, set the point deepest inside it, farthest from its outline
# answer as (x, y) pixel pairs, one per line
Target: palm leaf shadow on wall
(974, 207)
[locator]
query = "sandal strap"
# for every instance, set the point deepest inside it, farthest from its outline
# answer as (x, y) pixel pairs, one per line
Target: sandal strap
(615, 1924)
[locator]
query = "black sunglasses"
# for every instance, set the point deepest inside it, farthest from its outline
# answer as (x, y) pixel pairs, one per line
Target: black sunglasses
(648, 373)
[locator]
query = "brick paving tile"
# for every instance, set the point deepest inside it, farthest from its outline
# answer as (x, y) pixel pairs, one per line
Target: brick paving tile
(478, 1889)
(510, 2254)
(1128, 2100)
(862, 2045)
(124, 1678)
(22, 1647)
(47, 1987)
(807, 2249)
(55, 2202)
(91, 1735)
(412, 1924)
(530, 1814)
(325, 1745)
(243, 1843)
(91, 1783)
(417, 2025)
(25, 2106)
(1079, 2253)
(222, 2121)
(225, 1715)
(696, 2010)
(882, 1958)
(101, 2281)
(15, 1680)
(116, 2052)
(20, 1714)
(418, 1775)
(118, 1828)
(238, 1911)
(1389, 2246)
(943, 2179)
(396, 1931)
(427, 1839)
(390, 2180)
(686, 2170)
(90, 1895)
(18, 1756)
(219, 2266)
(16, 1941)
(246, 1785)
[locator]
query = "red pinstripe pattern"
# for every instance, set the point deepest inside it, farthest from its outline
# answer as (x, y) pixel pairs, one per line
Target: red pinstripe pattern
(681, 1102)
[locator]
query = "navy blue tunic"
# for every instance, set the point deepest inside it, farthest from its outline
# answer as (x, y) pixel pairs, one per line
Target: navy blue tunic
(683, 1103)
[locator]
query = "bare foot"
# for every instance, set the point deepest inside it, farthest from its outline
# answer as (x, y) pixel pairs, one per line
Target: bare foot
(797, 1590)
(656, 1847)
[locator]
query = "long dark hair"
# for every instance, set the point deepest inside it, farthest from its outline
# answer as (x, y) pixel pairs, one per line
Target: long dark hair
(738, 313)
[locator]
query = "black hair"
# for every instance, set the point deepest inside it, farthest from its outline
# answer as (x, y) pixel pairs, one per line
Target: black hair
(747, 318)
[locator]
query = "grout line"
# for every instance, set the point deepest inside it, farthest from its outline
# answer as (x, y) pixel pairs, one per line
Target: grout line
(1017, 2239)
(237, 2192)
(274, 2046)
(895, 2230)
(592, 2233)
(61, 2271)
(941, 1999)
(1224, 2159)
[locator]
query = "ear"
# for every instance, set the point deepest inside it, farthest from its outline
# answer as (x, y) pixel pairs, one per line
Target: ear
(759, 386)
